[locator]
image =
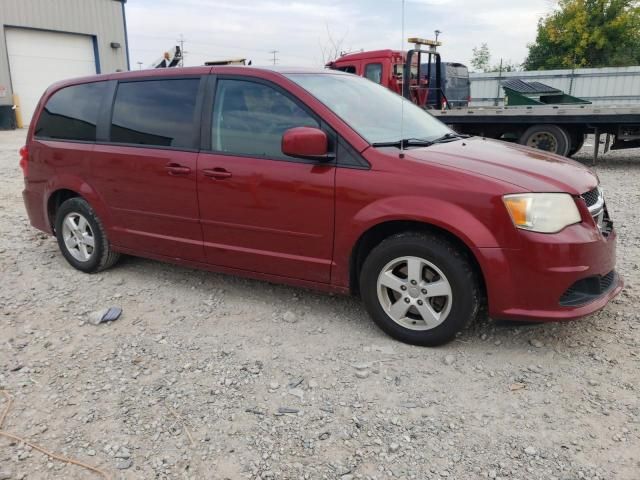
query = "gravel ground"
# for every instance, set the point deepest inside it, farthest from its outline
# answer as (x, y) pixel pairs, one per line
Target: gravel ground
(211, 376)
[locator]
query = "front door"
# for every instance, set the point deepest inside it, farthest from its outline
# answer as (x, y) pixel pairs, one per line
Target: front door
(261, 210)
(146, 172)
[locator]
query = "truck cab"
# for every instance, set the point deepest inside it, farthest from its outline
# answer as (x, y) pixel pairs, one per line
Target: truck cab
(387, 68)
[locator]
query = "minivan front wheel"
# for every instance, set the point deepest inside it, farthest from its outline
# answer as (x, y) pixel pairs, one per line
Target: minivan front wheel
(419, 288)
(82, 238)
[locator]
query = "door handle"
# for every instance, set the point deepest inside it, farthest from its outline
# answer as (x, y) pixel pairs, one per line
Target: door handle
(177, 169)
(219, 173)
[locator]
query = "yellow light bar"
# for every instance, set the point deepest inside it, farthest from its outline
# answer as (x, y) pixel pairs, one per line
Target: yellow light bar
(424, 41)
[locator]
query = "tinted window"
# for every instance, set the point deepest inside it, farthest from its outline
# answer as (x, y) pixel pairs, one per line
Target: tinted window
(249, 119)
(155, 112)
(373, 72)
(72, 113)
(347, 69)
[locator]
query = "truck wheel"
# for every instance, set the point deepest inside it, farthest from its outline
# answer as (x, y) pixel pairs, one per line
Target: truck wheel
(550, 138)
(577, 142)
(419, 288)
(82, 238)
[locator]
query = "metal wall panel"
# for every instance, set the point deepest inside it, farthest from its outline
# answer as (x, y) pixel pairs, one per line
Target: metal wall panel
(100, 18)
(602, 86)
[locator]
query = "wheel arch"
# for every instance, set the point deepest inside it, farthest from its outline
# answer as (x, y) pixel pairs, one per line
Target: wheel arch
(66, 187)
(380, 231)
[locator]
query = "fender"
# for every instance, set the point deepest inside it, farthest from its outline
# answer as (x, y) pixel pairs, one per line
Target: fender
(76, 184)
(450, 217)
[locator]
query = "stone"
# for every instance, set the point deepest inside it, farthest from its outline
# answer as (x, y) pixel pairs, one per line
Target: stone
(530, 450)
(449, 360)
(124, 464)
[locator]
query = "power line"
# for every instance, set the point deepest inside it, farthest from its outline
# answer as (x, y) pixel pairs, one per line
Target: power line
(182, 52)
(273, 52)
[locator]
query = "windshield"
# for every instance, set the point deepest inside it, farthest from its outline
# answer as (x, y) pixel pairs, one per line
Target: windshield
(370, 109)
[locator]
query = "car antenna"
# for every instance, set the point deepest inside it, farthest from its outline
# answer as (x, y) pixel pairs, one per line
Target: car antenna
(402, 91)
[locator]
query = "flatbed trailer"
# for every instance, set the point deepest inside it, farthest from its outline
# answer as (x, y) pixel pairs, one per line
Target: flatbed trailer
(557, 128)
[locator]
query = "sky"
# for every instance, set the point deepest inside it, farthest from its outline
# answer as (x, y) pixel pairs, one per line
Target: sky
(300, 30)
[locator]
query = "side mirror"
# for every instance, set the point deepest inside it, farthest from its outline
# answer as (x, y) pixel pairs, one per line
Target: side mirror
(306, 142)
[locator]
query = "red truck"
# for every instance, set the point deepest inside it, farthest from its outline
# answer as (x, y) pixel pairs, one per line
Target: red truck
(559, 129)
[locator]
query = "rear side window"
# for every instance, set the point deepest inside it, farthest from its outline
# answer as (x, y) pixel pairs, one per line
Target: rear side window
(155, 112)
(72, 113)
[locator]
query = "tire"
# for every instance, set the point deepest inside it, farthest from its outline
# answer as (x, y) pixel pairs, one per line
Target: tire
(438, 263)
(82, 238)
(577, 142)
(550, 138)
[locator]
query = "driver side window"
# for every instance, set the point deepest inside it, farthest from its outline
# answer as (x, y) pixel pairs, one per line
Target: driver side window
(249, 119)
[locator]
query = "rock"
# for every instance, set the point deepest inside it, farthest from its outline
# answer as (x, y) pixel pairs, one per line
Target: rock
(324, 436)
(297, 392)
(283, 410)
(104, 315)
(289, 317)
(449, 360)
(91, 452)
(394, 447)
(5, 474)
(123, 453)
(536, 343)
(362, 373)
(530, 450)
(274, 385)
(124, 464)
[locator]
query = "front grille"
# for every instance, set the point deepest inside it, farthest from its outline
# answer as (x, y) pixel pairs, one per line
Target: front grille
(594, 199)
(588, 289)
(591, 197)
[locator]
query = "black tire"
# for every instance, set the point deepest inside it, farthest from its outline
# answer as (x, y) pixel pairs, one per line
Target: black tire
(577, 142)
(455, 266)
(101, 256)
(550, 138)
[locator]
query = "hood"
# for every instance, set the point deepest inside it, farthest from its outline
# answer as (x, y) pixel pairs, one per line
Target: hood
(530, 169)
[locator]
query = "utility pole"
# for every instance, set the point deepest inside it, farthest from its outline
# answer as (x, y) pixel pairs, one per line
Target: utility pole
(437, 32)
(139, 65)
(182, 52)
(273, 52)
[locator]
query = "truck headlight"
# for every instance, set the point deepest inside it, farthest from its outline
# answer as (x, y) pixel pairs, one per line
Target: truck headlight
(542, 212)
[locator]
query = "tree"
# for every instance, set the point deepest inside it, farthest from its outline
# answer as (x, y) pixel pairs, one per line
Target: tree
(480, 58)
(332, 48)
(587, 33)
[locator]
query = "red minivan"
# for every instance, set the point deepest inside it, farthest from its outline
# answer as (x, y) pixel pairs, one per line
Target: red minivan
(319, 179)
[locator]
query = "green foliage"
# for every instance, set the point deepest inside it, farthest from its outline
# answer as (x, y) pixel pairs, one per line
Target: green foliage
(480, 58)
(481, 61)
(587, 33)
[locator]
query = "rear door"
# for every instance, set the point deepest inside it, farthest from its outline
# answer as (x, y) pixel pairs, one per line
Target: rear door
(262, 211)
(146, 170)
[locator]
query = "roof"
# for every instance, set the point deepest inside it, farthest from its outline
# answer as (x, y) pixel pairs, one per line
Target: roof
(201, 70)
(521, 86)
(366, 55)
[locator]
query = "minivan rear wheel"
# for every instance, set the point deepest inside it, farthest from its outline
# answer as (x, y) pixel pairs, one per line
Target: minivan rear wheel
(419, 288)
(82, 238)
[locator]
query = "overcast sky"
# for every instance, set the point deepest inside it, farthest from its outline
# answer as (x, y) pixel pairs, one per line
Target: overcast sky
(222, 29)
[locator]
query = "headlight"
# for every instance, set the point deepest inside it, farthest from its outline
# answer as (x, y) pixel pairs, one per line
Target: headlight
(542, 212)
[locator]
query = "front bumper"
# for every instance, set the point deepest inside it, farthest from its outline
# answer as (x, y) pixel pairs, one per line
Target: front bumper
(533, 282)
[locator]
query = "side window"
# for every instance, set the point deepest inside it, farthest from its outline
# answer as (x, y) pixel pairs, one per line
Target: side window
(373, 72)
(72, 113)
(249, 119)
(347, 69)
(155, 112)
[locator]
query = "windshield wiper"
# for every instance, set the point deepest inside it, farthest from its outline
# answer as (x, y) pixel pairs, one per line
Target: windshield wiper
(449, 137)
(405, 142)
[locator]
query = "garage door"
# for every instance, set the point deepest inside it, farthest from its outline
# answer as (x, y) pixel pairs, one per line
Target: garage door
(38, 58)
